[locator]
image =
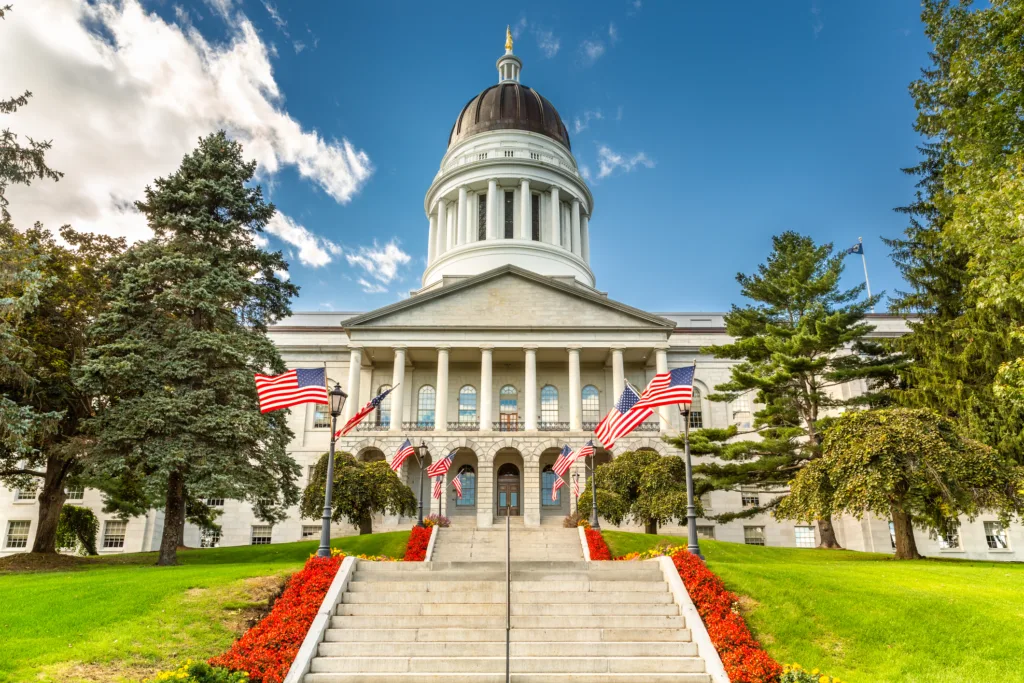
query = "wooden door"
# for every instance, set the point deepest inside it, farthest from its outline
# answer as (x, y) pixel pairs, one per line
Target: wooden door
(509, 495)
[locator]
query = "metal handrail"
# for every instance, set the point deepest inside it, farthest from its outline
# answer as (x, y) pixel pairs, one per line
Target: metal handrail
(508, 591)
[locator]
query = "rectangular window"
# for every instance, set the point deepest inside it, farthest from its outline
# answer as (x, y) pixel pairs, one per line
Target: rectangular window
(26, 494)
(706, 532)
(804, 536)
(509, 214)
(260, 535)
(996, 536)
(535, 218)
(753, 535)
(309, 473)
(696, 419)
(209, 538)
(750, 499)
(548, 478)
(75, 492)
(17, 533)
(310, 531)
(481, 217)
(215, 502)
(951, 539)
(113, 533)
(321, 416)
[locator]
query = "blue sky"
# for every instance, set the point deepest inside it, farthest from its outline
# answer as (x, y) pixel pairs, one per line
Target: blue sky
(751, 118)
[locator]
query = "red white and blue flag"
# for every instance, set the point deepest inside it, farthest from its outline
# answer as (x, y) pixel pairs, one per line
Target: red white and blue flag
(457, 484)
(586, 451)
(363, 412)
(438, 485)
(559, 483)
(441, 467)
(576, 489)
(404, 451)
(564, 461)
(292, 388)
(622, 418)
(668, 388)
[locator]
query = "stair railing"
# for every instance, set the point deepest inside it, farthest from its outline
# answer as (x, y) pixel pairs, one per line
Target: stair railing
(508, 593)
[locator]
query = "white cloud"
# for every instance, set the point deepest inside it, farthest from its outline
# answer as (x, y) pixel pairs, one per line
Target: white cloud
(283, 274)
(371, 287)
(313, 250)
(817, 24)
(585, 170)
(581, 123)
(591, 50)
(381, 264)
(618, 113)
(124, 95)
(299, 46)
(613, 33)
(275, 16)
(608, 161)
(519, 27)
(547, 41)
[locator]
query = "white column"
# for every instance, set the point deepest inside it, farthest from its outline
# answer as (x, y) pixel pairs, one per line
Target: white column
(525, 210)
(355, 362)
(618, 374)
(575, 393)
(585, 238)
(486, 356)
(576, 249)
(442, 226)
(556, 218)
(492, 209)
(530, 388)
(452, 235)
(661, 365)
(398, 393)
(441, 406)
(463, 236)
(432, 240)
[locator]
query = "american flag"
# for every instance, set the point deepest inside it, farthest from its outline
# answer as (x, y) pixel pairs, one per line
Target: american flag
(292, 388)
(576, 489)
(440, 467)
(586, 451)
(403, 453)
(564, 461)
(363, 412)
(457, 483)
(668, 388)
(559, 483)
(622, 418)
(438, 485)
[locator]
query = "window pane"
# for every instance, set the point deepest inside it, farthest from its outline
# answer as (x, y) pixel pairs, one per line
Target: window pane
(27, 493)
(951, 539)
(696, 414)
(753, 535)
(310, 531)
(76, 492)
(481, 217)
(215, 502)
(113, 533)
(535, 210)
(467, 405)
(995, 536)
(749, 499)
(17, 533)
(468, 478)
(383, 416)
(804, 536)
(508, 400)
(260, 535)
(706, 532)
(427, 400)
(509, 214)
(591, 404)
(321, 416)
(547, 484)
(549, 404)
(209, 539)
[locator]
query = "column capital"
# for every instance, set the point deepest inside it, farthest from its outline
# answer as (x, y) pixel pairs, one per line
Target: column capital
(487, 347)
(530, 347)
(573, 348)
(617, 347)
(443, 347)
(661, 346)
(399, 347)
(355, 347)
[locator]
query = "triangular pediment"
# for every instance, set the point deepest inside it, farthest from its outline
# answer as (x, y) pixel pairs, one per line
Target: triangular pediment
(513, 298)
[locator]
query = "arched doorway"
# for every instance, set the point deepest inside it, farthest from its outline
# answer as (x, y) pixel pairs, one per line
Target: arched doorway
(371, 455)
(553, 502)
(510, 491)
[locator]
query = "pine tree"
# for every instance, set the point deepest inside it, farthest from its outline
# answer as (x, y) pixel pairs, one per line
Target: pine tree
(176, 350)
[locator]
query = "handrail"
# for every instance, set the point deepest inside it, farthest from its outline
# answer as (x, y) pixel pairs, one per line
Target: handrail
(508, 592)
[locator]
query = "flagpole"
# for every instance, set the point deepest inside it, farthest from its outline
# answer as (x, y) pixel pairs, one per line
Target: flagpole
(864, 260)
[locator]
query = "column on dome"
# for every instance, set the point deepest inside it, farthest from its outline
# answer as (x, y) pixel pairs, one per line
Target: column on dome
(525, 210)
(441, 395)
(486, 384)
(355, 365)
(530, 388)
(585, 237)
(556, 217)
(492, 209)
(661, 365)
(432, 240)
(618, 373)
(463, 235)
(576, 240)
(575, 390)
(398, 392)
(442, 227)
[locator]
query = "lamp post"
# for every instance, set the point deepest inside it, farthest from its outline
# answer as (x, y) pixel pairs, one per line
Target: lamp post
(337, 398)
(576, 487)
(692, 544)
(595, 523)
(421, 455)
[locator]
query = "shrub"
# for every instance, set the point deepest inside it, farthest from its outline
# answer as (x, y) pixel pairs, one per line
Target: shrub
(598, 548)
(663, 548)
(201, 672)
(267, 650)
(794, 673)
(416, 548)
(575, 519)
(77, 528)
(437, 520)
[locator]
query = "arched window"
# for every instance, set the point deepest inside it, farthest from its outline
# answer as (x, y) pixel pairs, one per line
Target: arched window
(467, 475)
(425, 406)
(696, 414)
(549, 404)
(508, 407)
(383, 416)
(467, 405)
(547, 485)
(591, 404)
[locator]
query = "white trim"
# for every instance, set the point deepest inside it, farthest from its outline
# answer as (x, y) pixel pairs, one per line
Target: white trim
(315, 634)
(583, 542)
(430, 544)
(698, 631)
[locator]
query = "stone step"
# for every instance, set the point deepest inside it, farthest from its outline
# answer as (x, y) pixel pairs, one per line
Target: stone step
(594, 586)
(526, 565)
(524, 622)
(543, 664)
(500, 678)
(376, 597)
(455, 648)
(566, 609)
(517, 575)
(465, 635)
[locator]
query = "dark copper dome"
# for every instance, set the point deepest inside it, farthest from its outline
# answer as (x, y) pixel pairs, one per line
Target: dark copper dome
(509, 106)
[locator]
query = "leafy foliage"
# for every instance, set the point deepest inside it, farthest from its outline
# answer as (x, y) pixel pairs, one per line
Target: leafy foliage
(200, 672)
(361, 490)
(77, 529)
(419, 540)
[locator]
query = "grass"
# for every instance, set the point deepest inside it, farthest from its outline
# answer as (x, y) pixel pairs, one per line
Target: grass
(869, 619)
(119, 618)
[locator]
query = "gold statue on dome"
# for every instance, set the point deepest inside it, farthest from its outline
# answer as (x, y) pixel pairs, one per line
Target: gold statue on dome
(508, 38)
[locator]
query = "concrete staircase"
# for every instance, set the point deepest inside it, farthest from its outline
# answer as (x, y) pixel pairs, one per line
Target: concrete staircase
(444, 621)
(488, 545)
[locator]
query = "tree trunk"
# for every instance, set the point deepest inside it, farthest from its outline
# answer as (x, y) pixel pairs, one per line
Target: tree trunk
(827, 532)
(903, 530)
(181, 522)
(366, 525)
(51, 500)
(172, 518)
(651, 526)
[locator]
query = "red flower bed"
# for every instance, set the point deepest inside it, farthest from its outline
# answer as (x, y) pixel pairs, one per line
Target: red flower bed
(598, 548)
(744, 660)
(416, 548)
(267, 650)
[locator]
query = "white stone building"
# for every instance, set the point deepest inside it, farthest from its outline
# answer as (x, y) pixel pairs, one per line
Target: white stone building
(506, 352)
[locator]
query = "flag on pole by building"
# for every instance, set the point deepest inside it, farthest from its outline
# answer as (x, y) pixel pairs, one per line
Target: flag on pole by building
(856, 249)
(564, 461)
(559, 483)
(438, 486)
(440, 467)
(622, 418)
(363, 412)
(586, 451)
(303, 385)
(404, 451)
(668, 388)
(576, 489)
(457, 484)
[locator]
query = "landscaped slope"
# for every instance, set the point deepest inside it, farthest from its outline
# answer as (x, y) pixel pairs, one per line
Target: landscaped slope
(120, 618)
(869, 619)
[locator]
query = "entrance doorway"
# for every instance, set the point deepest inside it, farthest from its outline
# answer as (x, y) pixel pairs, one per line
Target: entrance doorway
(509, 491)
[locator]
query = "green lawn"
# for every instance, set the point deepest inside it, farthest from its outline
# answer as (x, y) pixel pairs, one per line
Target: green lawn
(869, 619)
(121, 619)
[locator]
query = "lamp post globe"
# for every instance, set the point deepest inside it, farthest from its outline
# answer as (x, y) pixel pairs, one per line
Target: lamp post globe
(337, 402)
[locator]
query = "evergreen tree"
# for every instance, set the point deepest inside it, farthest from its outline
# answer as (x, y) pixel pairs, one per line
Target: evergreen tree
(176, 350)
(797, 339)
(360, 491)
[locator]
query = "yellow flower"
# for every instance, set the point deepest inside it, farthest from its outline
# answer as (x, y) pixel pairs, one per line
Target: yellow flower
(815, 672)
(823, 679)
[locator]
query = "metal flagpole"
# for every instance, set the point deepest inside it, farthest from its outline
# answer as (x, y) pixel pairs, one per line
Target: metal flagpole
(864, 260)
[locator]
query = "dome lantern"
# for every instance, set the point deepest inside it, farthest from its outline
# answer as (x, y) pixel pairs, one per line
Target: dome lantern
(509, 65)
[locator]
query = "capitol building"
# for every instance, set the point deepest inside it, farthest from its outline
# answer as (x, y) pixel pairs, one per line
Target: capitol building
(508, 350)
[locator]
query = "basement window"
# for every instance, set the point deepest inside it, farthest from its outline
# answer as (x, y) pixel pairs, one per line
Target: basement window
(753, 535)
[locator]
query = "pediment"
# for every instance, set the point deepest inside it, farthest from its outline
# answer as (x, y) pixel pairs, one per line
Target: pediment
(509, 297)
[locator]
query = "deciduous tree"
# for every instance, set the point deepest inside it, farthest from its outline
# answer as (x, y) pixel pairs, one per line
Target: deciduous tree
(361, 490)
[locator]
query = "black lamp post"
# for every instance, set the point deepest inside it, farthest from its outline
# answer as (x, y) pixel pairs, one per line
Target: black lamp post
(692, 544)
(337, 397)
(595, 523)
(422, 453)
